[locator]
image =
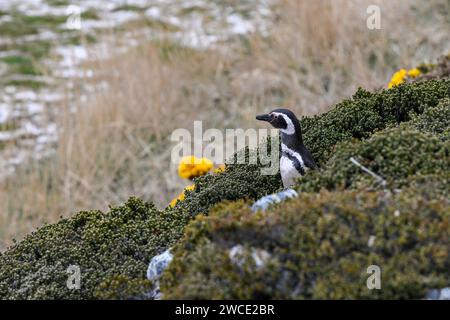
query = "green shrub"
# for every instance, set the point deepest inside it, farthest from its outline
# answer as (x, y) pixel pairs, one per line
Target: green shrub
(394, 154)
(318, 247)
(122, 287)
(430, 186)
(113, 249)
(120, 242)
(357, 118)
(367, 113)
(435, 120)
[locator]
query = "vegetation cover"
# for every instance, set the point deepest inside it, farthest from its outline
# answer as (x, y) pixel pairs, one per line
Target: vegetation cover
(315, 246)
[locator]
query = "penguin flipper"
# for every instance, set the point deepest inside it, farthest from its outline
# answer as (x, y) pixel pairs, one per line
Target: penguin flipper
(309, 161)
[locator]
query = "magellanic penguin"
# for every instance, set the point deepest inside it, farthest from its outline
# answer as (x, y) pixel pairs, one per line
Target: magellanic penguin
(295, 159)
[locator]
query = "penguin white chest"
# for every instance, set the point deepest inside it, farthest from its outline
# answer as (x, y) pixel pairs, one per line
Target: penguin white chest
(288, 171)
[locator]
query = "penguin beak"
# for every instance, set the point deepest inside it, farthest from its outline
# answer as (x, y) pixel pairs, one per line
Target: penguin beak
(264, 117)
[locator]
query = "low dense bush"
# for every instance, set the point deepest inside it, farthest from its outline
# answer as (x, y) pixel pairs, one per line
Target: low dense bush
(319, 245)
(318, 242)
(356, 118)
(367, 113)
(117, 243)
(394, 154)
(118, 286)
(316, 246)
(435, 120)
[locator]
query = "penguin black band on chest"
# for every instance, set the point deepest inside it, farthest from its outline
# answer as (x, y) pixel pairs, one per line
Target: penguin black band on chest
(295, 162)
(295, 159)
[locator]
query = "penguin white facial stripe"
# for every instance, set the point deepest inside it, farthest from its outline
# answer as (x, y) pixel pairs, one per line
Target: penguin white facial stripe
(290, 126)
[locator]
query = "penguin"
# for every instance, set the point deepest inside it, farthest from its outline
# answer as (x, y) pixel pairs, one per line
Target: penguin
(295, 159)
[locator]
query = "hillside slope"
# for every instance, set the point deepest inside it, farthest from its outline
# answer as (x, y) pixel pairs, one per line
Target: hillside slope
(316, 246)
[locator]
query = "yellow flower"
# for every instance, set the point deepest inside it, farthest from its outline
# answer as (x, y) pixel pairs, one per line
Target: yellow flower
(219, 169)
(412, 73)
(181, 196)
(398, 78)
(191, 167)
(401, 75)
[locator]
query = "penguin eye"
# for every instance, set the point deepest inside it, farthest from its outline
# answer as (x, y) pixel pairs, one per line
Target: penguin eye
(276, 116)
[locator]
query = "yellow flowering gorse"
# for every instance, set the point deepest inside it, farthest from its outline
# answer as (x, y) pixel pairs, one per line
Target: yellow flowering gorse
(414, 73)
(181, 196)
(401, 75)
(191, 167)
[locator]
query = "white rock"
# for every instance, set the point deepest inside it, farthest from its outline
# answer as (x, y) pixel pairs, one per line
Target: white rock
(158, 264)
(264, 202)
(439, 294)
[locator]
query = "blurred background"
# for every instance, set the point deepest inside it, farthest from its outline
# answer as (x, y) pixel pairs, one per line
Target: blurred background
(91, 90)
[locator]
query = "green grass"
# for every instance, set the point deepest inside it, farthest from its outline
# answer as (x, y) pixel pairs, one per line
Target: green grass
(58, 3)
(21, 24)
(21, 65)
(26, 83)
(129, 7)
(90, 15)
(45, 20)
(192, 9)
(8, 126)
(16, 29)
(74, 37)
(27, 61)
(155, 24)
(169, 49)
(37, 49)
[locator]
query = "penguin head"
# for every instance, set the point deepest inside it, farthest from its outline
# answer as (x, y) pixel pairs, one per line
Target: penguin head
(282, 119)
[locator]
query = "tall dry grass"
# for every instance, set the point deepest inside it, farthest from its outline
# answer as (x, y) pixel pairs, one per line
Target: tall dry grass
(117, 145)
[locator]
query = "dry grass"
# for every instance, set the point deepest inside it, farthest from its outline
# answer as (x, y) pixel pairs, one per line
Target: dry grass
(117, 144)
